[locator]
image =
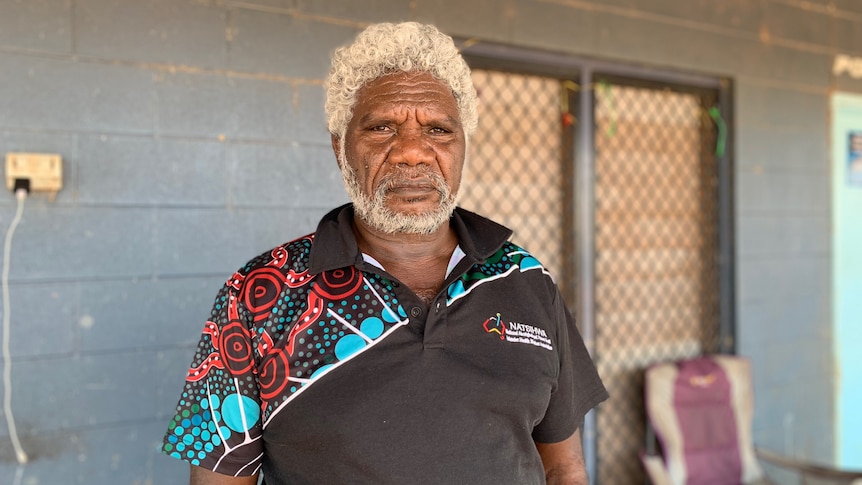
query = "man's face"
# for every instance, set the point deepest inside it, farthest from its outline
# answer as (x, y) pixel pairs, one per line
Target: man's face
(403, 152)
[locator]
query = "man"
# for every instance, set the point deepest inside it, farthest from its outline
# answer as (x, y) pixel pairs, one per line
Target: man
(405, 341)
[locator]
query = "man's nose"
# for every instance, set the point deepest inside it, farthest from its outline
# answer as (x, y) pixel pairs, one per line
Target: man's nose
(411, 148)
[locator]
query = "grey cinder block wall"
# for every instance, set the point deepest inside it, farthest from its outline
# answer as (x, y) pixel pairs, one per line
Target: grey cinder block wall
(193, 138)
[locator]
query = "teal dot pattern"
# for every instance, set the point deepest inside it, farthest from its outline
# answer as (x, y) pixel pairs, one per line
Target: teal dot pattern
(274, 330)
(508, 258)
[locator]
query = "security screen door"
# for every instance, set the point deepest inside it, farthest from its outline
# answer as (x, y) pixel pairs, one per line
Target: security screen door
(655, 221)
(656, 255)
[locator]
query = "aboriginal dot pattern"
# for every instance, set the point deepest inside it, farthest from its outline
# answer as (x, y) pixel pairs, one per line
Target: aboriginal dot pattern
(273, 330)
(509, 257)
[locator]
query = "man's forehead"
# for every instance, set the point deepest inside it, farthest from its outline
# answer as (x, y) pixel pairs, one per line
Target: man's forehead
(406, 85)
(409, 77)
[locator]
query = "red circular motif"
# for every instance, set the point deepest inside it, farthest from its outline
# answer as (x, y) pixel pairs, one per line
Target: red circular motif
(261, 291)
(273, 377)
(235, 348)
(339, 283)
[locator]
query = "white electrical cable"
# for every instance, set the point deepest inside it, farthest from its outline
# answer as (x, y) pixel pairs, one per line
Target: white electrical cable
(20, 195)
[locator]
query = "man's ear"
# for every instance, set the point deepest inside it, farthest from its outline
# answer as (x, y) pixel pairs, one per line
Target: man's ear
(336, 148)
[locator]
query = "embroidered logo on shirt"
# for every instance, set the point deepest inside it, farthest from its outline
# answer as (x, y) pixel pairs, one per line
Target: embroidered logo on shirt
(495, 325)
(517, 332)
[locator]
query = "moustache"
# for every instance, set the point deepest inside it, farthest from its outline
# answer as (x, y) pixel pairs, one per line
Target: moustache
(413, 177)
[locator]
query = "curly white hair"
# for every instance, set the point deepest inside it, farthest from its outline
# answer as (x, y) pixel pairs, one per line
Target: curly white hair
(387, 48)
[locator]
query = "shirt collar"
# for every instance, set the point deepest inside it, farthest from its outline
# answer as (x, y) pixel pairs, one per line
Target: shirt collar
(335, 245)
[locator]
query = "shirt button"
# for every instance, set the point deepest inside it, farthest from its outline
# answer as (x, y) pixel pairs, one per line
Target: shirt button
(416, 311)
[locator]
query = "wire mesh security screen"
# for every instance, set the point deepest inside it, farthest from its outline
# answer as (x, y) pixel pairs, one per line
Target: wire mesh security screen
(514, 172)
(656, 267)
(656, 225)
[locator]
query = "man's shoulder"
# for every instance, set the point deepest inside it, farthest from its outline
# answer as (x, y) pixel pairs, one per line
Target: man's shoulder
(510, 264)
(289, 256)
(516, 255)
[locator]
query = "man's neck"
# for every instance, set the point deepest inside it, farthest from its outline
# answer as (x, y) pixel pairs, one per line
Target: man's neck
(417, 260)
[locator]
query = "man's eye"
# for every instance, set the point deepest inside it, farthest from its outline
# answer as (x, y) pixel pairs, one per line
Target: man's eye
(437, 130)
(379, 128)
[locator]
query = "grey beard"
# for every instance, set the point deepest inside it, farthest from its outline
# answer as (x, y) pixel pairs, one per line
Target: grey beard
(373, 211)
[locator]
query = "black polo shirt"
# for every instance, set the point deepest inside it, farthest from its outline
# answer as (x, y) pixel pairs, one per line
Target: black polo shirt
(319, 367)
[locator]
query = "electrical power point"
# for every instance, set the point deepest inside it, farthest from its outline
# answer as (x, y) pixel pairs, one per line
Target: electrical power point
(43, 170)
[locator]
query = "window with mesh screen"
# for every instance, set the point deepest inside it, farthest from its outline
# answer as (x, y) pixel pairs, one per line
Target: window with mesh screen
(655, 223)
(656, 267)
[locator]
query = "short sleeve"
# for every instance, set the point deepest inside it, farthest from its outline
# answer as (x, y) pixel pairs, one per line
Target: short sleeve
(579, 387)
(218, 417)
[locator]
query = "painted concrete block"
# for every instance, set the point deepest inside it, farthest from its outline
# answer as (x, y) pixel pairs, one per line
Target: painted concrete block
(309, 116)
(755, 278)
(192, 104)
(679, 46)
(265, 42)
(809, 235)
(161, 31)
(260, 110)
(768, 106)
(269, 5)
(270, 227)
(803, 320)
(847, 32)
(784, 21)
(813, 413)
(785, 362)
(782, 192)
(800, 319)
(848, 84)
(778, 474)
(756, 234)
(53, 458)
(42, 320)
(790, 424)
(775, 319)
(84, 390)
(51, 94)
(170, 470)
(294, 223)
(125, 454)
(796, 109)
(64, 145)
(362, 11)
(809, 193)
(286, 176)
(783, 277)
(805, 277)
(128, 454)
(847, 5)
(766, 146)
(217, 243)
(199, 242)
(39, 25)
(116, 454)
(742, 15)
(212, 106)
(768, 234)
(173, 365)
(484, 19)
(144, 314)
(553, 27)
(752, 192)
(751, 109)
(82, 243)
(686, 47)
(752, 314)
(117, 170)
